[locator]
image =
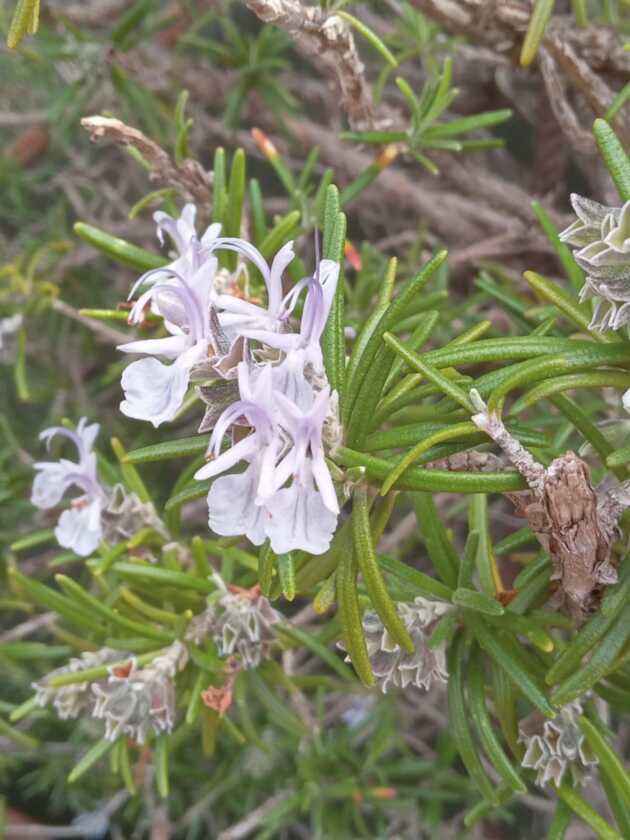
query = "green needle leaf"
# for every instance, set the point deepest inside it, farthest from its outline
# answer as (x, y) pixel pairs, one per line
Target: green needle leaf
(94, 754)
(25, 21)
(370, 36)
(286, 573)
(615, 158)
(120, 250)
(350, 616)
(536, 30)
(608, 758)
(168, 450)
(459, 728)
(493, 643)
(602, 829)
(371, 573)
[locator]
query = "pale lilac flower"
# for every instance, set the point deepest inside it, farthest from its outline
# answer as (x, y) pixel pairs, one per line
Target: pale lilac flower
(191, 250)
(155, 391)
(303, 350)
(79, 528)
(285, 492)
(205, 326)
(285, 444)
(304, 514)
(238, 316)
(235, 502)
(319, 297)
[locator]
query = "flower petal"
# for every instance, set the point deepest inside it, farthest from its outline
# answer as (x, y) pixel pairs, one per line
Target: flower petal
(299, 520)
(241, 451)
(79, 528)
(211, 233)
(51, 483)
(170, 347)
(153, 391)
(87, 434)
(274, 285)
(231, 507)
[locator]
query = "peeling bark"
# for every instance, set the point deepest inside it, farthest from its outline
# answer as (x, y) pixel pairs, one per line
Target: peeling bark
(574, 522)
(329, 39)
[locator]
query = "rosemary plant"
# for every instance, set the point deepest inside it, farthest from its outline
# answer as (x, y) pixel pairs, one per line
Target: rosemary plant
(303, 538)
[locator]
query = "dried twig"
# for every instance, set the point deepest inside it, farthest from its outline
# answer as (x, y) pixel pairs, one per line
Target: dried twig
(592, 86)
(27, 627)
(189, 176)
(101, 331)
(565, 117)
(573, 522)
(329, 39)
(251, 822)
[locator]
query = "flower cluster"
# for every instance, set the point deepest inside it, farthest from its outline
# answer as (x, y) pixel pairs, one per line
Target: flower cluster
(71, 700)
(135, 700)
(79, 527)
(602, 236)
(125, 514)
(264, 384)
(100, 512)
(240, 623)
(132, 700)
(391, 665)
(553, 746)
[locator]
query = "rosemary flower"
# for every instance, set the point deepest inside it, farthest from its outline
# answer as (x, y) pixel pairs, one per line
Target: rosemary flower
(79, 528)
(100, 512)
(393, 666)
(240, 623)
(285, 492)
(601, 236)
(553, 746)
(71, 700)
(285, 444)
(135, 700)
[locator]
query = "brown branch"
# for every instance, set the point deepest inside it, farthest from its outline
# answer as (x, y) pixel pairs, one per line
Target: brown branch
(594, 89)
(189, 177)
(327, 38)
(102, 332)
(28, 627)
(574, 523)
(567, 122)
(501, 25)
(250, 823)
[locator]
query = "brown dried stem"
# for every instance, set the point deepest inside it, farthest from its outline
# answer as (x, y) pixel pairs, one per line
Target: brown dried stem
(189, 177)
(329, 39)
(575, 523)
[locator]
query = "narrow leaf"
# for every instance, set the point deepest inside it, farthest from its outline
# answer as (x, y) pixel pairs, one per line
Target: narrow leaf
(371, 573)
(350, 616)
(615, 158)
(120, 250)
